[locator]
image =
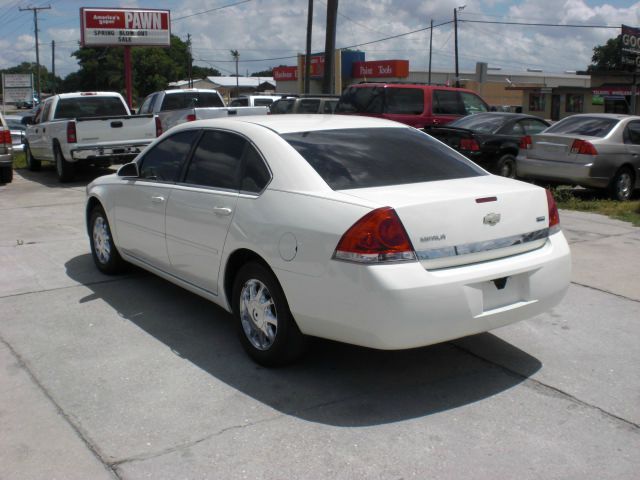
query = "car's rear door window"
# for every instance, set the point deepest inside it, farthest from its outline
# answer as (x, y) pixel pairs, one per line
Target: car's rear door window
(164, 161)
(216, 161)
(308, 105)
(447, 102)
(361, 158)
(473, 103)
(407, 101)
(587, 126)
(362, 100)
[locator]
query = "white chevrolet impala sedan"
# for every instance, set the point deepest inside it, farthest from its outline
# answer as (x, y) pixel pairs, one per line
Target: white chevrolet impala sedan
(354, 229)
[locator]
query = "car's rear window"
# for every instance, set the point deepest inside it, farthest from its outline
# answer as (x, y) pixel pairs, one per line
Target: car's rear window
(361, 158)
(587, 126)
(90, 106)
(178, 101)
(480, 123)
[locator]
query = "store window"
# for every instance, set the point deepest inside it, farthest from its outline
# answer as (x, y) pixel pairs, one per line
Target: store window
(575, 103)
(536, 102)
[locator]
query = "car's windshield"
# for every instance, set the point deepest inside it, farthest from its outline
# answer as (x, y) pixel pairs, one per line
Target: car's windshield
(361, 158)
(587, 126)
(480, 123)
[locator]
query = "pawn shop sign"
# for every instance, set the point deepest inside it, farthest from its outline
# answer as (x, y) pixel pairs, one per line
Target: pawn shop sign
(126, 27)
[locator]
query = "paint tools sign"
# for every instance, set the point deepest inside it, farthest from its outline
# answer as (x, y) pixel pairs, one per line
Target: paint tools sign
(125, 27)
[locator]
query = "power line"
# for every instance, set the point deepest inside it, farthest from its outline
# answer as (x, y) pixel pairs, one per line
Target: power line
(210, 10)
(568, 25)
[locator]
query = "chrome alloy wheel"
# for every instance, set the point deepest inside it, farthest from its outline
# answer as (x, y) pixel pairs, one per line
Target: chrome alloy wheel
(101, 240)
(258, 314)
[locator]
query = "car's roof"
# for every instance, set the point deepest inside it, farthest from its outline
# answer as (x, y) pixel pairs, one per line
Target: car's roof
(282, 124)
(190, 90)
(615, 116)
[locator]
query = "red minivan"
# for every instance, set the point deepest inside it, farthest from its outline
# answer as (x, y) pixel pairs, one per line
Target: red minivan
(412, 104)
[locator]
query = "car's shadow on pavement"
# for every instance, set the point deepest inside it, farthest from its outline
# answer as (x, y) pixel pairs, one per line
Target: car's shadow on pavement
(48, 177)
(335, 384)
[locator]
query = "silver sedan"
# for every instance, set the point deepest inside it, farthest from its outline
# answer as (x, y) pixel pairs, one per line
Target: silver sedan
(592, 150)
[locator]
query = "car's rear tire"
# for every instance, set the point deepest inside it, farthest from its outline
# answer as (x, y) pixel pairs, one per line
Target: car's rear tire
(103, 249)
(266, 328)
(622, 183)
(6, 174)
(507, 166)
(32, 163)
(66, 170)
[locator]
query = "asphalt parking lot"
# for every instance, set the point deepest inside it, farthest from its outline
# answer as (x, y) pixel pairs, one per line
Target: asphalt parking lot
(131, 377)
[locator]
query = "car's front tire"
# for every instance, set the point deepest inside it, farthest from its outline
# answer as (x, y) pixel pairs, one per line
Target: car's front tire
(266, 328)
(103, 249)
(621, 186)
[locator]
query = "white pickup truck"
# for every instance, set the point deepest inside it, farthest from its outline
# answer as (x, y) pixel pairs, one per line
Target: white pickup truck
(186, 105)
(89, 127)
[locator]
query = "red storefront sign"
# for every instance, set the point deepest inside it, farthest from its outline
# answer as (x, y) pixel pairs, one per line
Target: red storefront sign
(285, 74)
(612, 91)
(381, 69)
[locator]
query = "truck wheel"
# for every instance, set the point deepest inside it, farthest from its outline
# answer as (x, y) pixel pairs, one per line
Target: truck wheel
(32, 163)
(6, 174)
(66, 170)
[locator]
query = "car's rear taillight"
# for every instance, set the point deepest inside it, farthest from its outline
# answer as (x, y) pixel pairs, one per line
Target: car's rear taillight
(191, 117)
(377, 237)
(583, 147)
(71, 132)
(469, 144)
(526, 143)
(158, 127)
(5, 137)
(554, 216)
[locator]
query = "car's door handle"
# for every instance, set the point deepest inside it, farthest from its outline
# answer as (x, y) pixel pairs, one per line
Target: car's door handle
(157, 199)
(222, 210)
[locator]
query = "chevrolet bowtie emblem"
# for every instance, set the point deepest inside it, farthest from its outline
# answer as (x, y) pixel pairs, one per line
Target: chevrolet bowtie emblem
(491, 219)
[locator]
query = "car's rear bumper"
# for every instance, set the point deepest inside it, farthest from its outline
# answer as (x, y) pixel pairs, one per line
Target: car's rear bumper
(563, 172)
(114, 153)
(405, 306)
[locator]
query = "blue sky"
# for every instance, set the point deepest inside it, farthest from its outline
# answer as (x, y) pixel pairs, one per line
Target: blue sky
(268, 33)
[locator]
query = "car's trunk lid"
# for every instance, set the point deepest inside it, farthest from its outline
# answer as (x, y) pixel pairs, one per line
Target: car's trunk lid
(464, 221)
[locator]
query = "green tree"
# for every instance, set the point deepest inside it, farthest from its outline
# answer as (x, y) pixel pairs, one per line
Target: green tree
(608, 56)
(203, 72)
(153, 68)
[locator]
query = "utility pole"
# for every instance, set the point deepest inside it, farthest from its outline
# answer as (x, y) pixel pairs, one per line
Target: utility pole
(236, 56)
(430, 48)
(35, 23)
(307, 60)
(330, 45)
(53, 66)
(189, 66)
(455, 34)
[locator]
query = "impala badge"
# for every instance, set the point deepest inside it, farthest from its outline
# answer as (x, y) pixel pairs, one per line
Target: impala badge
(491, 219)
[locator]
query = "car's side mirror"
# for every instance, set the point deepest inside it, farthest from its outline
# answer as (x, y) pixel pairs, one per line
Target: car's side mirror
(129, 170)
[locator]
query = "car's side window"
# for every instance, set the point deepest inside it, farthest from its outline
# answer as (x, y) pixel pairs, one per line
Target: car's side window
(447, 102)
(217, 161)
(408, 101)
(632, 133)
(308, 106)
(147, 105)
(164, 161)
(45, 111)
(531, 126)
(473, 103)
(517, 128)
(256, 174)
